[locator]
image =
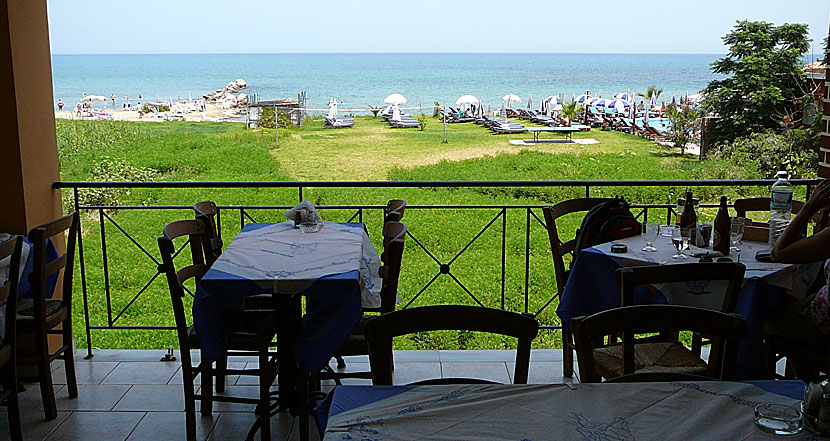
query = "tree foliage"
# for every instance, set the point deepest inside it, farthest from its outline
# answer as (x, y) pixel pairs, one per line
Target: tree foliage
(651, 92)
(765, 86)
(684, 122)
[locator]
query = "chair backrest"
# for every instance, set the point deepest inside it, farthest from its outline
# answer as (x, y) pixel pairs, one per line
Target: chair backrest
(727, 330)
(560, 248)
(394, 210)
(41, 269)
(394, 238)
(382, 329)
(693, 273)
(193, 230)
(750, 205)
(11, 250)
(206, 211)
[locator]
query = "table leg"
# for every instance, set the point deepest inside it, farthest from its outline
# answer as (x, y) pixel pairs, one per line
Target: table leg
(289, 314)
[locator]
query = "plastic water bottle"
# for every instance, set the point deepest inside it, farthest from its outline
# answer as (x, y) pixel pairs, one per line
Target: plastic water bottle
(780, 206)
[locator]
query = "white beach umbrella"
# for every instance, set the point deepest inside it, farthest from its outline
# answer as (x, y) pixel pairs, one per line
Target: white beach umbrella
(332, 108)
(529, 101)
(396, 113)
(395, 99)
(619, 104)
(601, 102)
(467, 99)
(511, 98)
(583, 99)
(622, 96)
(91, 98)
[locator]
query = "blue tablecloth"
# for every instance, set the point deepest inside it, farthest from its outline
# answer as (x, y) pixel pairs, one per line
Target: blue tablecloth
(591, 288)
(333, 309)
(346, 398)
(24, 287)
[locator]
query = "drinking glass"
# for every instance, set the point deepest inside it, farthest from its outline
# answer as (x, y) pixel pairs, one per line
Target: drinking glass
(736, 232)
(650, 233)
(680, 239)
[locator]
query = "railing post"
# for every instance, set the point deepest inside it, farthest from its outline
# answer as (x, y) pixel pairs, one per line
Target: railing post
(527, 261)
(89, 354)
(301, 193)
(587, 191)
(241, 219)
(106, 267)
(503, 251)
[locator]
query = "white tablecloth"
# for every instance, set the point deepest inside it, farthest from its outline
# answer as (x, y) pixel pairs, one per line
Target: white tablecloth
(633, 411)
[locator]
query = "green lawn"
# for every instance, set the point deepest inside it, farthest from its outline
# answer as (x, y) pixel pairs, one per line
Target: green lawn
(176, 151)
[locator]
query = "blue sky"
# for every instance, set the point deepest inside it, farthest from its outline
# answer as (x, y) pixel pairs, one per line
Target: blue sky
(274, 26)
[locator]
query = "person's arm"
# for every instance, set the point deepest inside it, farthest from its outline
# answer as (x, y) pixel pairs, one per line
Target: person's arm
(790, 247)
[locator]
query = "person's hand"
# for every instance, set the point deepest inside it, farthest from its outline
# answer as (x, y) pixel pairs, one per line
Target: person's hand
(820, 198)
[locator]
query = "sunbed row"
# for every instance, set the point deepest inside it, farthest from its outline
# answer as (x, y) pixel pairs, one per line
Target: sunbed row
(501, 126)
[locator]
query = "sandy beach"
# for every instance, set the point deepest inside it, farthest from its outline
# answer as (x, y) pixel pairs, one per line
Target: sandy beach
(212, 113)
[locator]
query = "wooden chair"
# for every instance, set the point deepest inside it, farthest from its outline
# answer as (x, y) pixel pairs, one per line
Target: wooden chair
(39, 316)
(206, 211)
(754, 205)
(559, 249)
(732, 273)
(394, 236)
(255, 339)
(727, 331)
(382, 329)
(10, 249)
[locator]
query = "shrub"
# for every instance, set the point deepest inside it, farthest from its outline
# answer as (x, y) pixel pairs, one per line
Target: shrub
(794, 151)
(422, 119)
(683, 123)
(112, 170)
(267, 118)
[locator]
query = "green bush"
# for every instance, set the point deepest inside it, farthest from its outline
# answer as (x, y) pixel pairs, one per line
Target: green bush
(113, 170)
(794, 151)
(267, 118)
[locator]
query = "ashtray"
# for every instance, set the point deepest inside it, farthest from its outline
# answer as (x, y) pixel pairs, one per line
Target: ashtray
(778, 419)
(310, 227)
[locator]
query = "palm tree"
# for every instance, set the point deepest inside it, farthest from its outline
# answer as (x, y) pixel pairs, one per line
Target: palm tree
(570, 110)
(651, 92)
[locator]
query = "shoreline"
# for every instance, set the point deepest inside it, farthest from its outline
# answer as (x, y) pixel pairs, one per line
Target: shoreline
(212, 113)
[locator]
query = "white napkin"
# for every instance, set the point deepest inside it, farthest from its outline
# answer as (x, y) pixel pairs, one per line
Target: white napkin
(700, 252)
(303, 212)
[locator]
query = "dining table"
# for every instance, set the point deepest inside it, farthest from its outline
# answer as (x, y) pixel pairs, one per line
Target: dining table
(335, 269)
(591, 287)
(583, 411)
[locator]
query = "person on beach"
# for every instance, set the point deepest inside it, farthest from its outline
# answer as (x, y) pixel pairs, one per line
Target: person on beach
(805, 320)
(60, 104)
(78, 108)
(112, 97)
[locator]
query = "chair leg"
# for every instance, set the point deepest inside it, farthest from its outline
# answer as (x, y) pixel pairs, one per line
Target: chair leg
(45, 376)
(264, 395)
(221, 368)
(567, 353)
(341, 364)
(189, 402)
(69, 360)
(12, 402)
(302, 398)
(207, 387)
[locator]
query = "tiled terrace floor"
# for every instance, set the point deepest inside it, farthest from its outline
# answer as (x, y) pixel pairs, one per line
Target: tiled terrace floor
(131, 395)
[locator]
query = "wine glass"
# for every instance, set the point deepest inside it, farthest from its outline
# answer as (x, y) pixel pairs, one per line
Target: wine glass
(650, 233)
(736, 232)
(680, 239)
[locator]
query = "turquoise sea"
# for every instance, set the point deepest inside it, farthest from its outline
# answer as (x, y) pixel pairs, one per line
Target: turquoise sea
(360, 80)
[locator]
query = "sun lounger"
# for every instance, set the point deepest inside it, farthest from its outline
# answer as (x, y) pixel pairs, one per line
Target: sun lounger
(338, 123)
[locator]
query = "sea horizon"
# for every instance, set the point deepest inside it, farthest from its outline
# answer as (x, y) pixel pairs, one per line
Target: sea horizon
(362, 79)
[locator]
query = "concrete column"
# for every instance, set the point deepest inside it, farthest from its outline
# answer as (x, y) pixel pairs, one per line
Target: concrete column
(28, 145)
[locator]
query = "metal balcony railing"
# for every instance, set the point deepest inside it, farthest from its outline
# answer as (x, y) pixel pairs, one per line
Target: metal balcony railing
(496, 221)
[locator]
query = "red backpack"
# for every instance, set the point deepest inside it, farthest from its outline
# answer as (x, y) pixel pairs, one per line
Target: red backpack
(608, 221)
